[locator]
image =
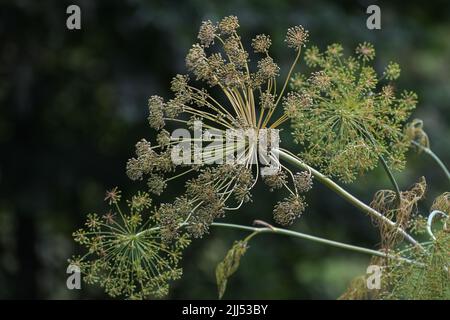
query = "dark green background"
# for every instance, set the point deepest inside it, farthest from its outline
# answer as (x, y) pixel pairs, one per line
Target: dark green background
(73, 103)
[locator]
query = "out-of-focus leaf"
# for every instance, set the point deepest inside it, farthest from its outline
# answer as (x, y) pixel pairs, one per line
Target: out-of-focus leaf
(229, 265)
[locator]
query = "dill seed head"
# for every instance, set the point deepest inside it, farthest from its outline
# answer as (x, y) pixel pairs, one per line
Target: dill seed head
(228, 25)
(92, 221)
(197, 62)
(124, 257)
(368, 78)
(286, 211)
(321, 80)
(113, 196)
(198, 226)
(296, 37)
(388, 92)
(143, 147)
(392, 71)
(267, 68)
(163, 138)
(230, 76)
(275, 181)
(335, 50)
(261, 43)
(207, 33)
(344, 165)
(313, 56)
(156, 112)
(156, 184)
(303, 181)
(267, 100)
(295, 102)
(139, 202)
(169, 220)
(162, 163)
(175, 106)
(341, 117)
(408, 100)
(365, 51)
(296, 81)
(133, 169)
(109, 217)
(180, 84)
(236, 54)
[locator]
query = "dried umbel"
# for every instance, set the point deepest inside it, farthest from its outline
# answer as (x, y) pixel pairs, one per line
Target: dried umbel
(289, 209)
(136, 254)
(220, 61)
(125, 252)
(344, 116)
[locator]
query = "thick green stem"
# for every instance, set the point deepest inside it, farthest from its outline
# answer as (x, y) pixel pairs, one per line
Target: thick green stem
(311, 238)
(434, 156)
(346, 195)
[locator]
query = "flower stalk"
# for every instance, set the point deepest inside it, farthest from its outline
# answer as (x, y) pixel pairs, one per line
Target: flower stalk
(292, 159)
(434, 156)
(296, 234)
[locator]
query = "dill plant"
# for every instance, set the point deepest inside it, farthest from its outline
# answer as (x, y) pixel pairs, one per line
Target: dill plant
(346, 119)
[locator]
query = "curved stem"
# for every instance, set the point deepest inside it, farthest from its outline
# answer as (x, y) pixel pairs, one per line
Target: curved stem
(434, 156)
(346, 195)
(258, 230)
(430, 221)
(269, 115)
(288, 77)
(385, 166)
(392, 178)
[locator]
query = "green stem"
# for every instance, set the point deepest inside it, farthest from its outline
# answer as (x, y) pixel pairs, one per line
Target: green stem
(385, 165)
(391, 177)
(346, 195)
(296, 234)
(288, 76)
(434, 156)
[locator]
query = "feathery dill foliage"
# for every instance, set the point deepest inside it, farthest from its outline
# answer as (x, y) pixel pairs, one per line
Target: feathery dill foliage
(345, 115)
(429, 277)
(429, 280)
(248, 99)
(425, 275)
(126, 254)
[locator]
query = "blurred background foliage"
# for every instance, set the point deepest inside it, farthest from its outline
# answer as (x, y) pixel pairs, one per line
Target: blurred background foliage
(73, 104)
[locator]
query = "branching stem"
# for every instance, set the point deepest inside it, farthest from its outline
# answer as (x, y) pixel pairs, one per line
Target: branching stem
(271, 229)
(292, 159)
(434, 156)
